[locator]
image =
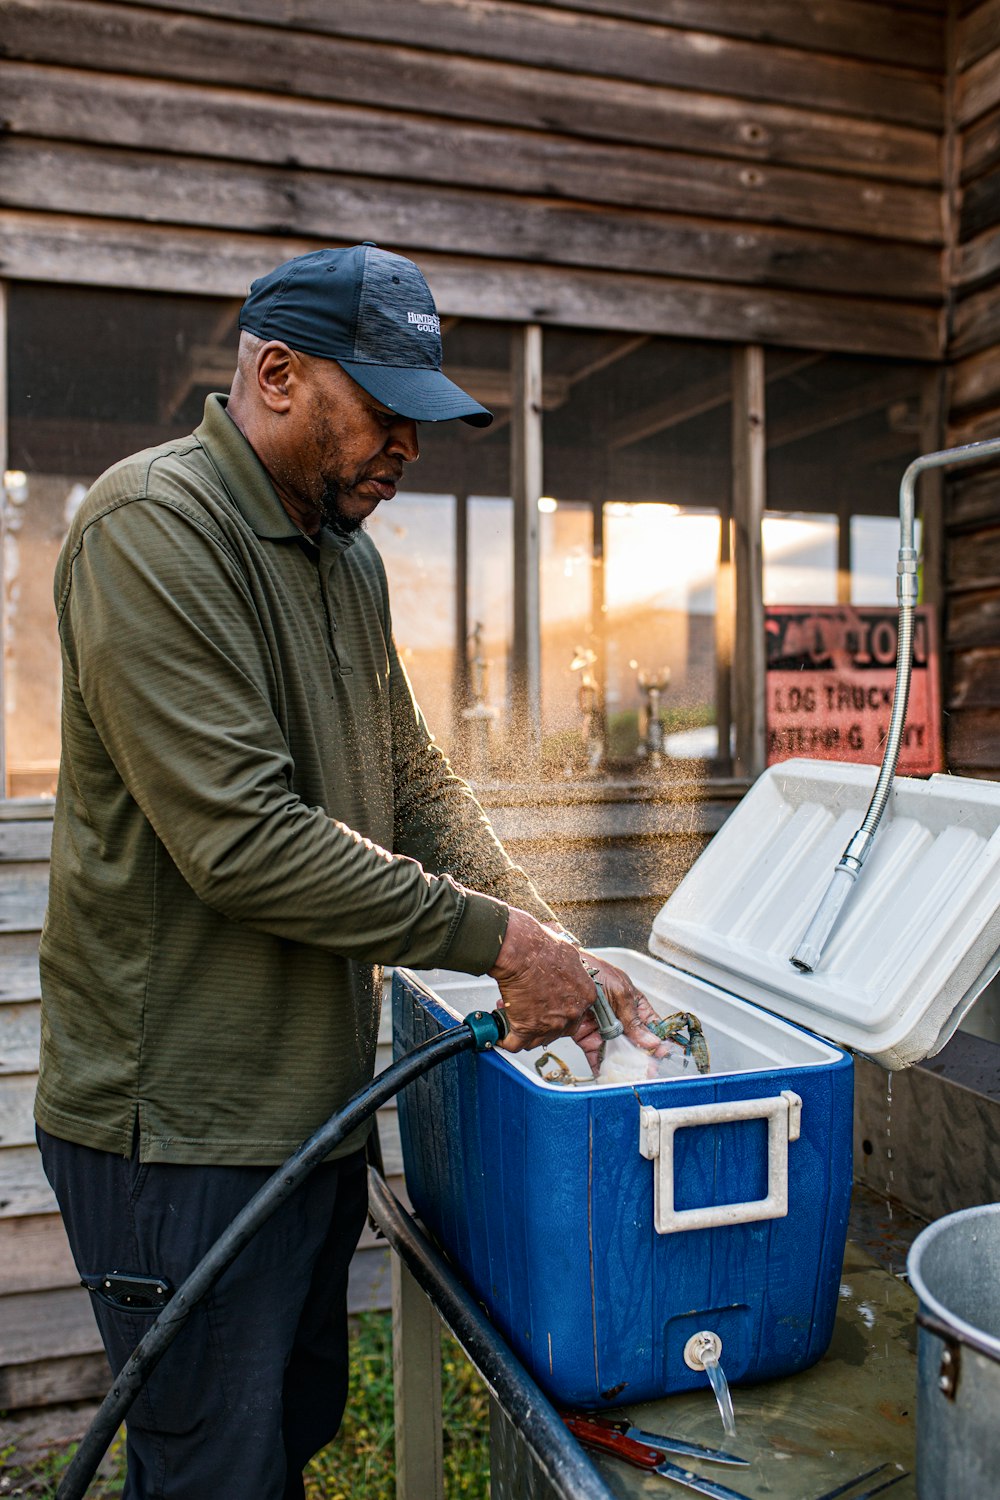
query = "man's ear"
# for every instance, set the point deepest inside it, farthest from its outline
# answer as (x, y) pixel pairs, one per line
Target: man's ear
(276, 375)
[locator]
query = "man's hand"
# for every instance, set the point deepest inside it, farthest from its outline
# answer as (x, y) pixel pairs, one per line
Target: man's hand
(547, 992)
(630, 1006)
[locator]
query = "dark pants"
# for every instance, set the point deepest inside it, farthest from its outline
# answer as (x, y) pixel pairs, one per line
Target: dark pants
(256, 1382)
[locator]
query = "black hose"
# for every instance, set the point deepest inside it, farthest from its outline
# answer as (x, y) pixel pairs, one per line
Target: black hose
(481, 1031)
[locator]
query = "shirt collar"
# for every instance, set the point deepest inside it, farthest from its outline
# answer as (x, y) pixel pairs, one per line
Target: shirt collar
(247, 482)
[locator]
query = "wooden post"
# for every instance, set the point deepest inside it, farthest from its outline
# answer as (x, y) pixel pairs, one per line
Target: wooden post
(844, 555)
(930, 494)
(749, 493)
(725, 630)
(598, 610)
(4, 457)
(930, 500)
(460, 665)
(525, 728)
(416, 1385)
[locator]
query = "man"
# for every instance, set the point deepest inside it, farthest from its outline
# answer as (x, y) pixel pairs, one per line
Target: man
(252, 817)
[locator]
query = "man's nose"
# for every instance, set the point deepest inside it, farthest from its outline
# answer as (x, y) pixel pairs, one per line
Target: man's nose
(403, 439)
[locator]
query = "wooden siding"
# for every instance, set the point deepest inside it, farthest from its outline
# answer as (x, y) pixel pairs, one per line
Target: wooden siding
(972, 513)
(670, 167)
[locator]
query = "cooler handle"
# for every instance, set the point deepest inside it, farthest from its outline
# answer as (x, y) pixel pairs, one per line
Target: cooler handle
(657, 1128)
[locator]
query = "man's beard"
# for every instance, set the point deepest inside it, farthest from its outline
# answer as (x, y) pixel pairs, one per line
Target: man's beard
(330, 509)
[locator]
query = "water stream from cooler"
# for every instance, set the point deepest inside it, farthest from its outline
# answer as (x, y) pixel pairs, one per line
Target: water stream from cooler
(720, 1385)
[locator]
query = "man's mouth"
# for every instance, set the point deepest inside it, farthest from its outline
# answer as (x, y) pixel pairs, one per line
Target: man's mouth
(383, 488)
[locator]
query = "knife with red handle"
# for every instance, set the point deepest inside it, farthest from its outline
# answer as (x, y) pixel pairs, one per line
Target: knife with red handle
(602, 1439)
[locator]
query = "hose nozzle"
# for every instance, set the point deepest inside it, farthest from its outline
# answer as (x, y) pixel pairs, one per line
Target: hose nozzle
(608, 1023)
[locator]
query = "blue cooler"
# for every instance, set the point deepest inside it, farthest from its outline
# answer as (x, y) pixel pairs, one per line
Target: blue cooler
(607, 1228)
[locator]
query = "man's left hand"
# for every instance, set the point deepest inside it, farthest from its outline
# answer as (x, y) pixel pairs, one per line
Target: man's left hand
(629, 1005)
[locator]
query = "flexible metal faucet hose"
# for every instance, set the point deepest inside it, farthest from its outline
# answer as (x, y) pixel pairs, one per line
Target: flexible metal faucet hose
(481, 1031)
(810, 949)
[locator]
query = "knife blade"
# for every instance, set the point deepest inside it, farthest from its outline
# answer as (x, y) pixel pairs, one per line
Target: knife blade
(678, 1445)
(603, 1439)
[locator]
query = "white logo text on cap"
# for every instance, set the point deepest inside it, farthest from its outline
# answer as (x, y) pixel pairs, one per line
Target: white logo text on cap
(426, 322)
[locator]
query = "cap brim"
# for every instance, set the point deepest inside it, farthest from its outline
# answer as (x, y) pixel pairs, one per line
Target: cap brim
(423, 395)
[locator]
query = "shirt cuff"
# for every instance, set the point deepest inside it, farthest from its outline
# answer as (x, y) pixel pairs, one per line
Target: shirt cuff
(477, 936)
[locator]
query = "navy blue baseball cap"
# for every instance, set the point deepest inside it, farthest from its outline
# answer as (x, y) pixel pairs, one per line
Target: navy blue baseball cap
(373, 313)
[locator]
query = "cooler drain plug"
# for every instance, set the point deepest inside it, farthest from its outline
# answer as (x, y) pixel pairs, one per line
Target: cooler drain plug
(702, 1349)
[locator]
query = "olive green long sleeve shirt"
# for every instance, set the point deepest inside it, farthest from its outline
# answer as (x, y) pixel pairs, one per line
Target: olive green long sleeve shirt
(251, 817)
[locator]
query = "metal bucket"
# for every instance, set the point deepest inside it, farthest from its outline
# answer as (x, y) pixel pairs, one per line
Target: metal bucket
(954, 1268)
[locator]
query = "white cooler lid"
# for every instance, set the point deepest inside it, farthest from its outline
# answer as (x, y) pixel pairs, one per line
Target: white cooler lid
(917, 940)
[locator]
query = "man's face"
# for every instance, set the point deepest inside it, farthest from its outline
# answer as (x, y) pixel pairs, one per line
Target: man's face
(352, 449)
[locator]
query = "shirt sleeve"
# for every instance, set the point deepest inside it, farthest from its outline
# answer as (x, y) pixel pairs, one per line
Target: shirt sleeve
(171, 666)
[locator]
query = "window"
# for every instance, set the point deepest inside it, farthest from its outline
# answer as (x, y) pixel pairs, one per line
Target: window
(636, 453)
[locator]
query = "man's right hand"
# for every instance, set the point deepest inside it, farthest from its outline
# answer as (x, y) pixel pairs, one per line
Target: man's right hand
(544, 987)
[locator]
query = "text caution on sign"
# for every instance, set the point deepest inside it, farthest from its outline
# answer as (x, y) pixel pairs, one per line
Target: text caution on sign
(831, 670)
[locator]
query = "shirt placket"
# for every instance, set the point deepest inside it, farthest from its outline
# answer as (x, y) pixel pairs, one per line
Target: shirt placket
(327, 557)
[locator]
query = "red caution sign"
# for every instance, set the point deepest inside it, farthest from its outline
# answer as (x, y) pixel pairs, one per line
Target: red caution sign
(831, 670)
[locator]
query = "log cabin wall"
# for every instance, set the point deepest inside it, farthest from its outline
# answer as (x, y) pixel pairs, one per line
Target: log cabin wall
(689, 167)
(972, 512)
(756, 173)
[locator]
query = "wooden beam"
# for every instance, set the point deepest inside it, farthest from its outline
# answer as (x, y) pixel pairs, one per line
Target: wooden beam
(977, 34)
(975, 381)
(693, 401)
(209, 366)
(620, 350)
(612, 356)
(977, 90)
(670, 411)
(293, 134)
(832, 133)
(540, 37)
(823, 413)
(981, 146)
(113, 252)
(849, 28)
(749, 500)
(525, 726)
(151, 187)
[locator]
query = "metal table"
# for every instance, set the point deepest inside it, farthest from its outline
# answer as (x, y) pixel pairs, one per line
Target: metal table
(803, 1435)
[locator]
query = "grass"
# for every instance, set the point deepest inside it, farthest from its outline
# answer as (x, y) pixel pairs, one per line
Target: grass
(40, 1479)
(361, 1462)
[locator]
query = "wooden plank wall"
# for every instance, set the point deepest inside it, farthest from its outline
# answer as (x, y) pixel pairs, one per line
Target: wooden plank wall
(972, 511)
(677, 166)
